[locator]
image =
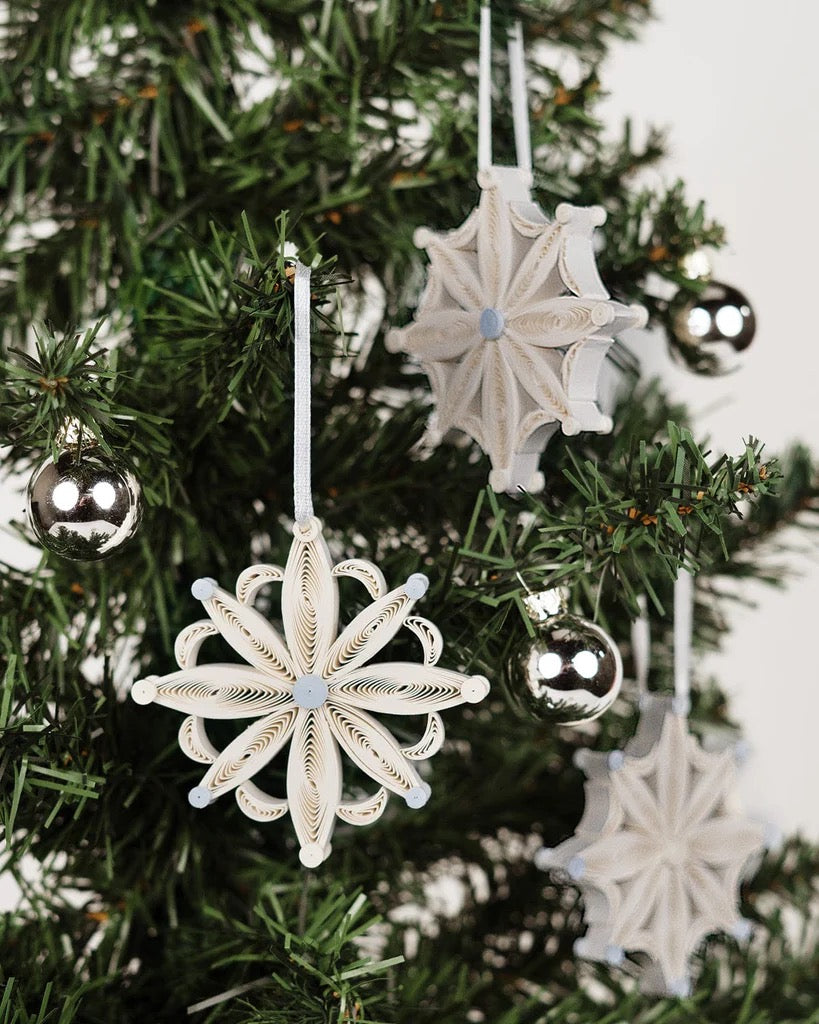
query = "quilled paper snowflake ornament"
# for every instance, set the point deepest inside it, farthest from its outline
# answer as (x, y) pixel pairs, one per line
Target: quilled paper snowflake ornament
(661, 848)
(515, 322)
(317, 687)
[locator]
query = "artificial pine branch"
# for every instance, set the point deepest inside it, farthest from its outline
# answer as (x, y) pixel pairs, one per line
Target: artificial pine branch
(69, 379)
(662, 508)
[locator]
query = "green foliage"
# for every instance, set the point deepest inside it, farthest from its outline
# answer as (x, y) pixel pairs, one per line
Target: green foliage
(157, 103)
(14, 1011)
(48, 771)
(660, 507)
(70, 380)
(228, 314)
(155, 159)
(316, 975)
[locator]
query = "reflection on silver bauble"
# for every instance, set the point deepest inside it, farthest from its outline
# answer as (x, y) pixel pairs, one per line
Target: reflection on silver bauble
(569, 673)
(709, 331)
(85, 505)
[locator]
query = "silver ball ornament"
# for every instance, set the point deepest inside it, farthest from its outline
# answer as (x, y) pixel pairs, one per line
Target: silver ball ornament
(708, 333)
(568, 673)
(85, 506)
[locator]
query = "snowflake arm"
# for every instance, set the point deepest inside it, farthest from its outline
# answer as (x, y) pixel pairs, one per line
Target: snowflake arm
(402, 689)
(374, 749)
(309, 601)
(450, 337)
(495, 245)
(246, 755)
(215, 691)
(372, 629)
(246, 630)
(313, 786)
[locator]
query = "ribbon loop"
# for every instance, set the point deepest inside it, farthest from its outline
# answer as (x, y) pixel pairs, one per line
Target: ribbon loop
(302, 489)
(683, 628)
(641, 647)
(517, 79)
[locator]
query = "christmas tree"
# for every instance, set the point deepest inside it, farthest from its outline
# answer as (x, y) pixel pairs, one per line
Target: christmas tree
(160, 169)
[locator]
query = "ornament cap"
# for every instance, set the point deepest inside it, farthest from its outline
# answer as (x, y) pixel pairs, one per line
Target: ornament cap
(416, 586)
(199, 797)
(313, 854)
(640, 315)
(492, 323)
(475, 689)
(310, 692)
(204, 588)
(576, 868)
(546, 603)
(615, 760)
(72, 434)
(696, 265)
(544, 858)
(743, 929)
(144, 690)
(418, 796)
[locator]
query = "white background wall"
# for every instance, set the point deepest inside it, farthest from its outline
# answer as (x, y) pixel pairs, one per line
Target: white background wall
(736, 83)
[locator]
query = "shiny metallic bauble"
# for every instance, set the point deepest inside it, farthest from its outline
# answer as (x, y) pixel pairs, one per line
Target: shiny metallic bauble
(709, 332)
(569, 673)
(85, 505)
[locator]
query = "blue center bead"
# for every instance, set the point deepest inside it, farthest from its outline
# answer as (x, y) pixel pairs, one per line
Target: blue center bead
(491, 323)
(310, 691)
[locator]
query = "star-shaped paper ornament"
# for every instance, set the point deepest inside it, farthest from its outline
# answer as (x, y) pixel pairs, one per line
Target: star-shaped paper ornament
(660, 850)
(514, 325)
(314, 687)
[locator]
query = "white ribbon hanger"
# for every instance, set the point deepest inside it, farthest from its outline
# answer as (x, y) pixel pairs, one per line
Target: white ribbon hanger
(520, 107)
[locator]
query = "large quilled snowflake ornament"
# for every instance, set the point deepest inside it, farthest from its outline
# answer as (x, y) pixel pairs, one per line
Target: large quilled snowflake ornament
(660, 850)
(514, 325)
(314, 688)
